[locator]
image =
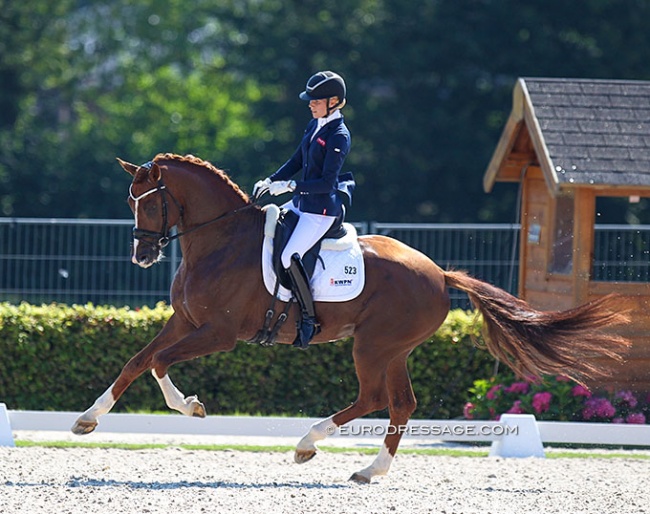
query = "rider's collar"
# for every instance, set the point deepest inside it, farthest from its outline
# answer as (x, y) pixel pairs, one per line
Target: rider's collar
(321, 122)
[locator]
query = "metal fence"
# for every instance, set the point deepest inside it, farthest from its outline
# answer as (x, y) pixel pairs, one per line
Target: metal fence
(622, 253)
(489, 252)
(80, 261)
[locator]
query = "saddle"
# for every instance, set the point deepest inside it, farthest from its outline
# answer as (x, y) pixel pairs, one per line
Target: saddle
(341, 240)
(287, 221)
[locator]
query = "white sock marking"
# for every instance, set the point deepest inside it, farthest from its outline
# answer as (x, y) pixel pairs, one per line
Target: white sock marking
(380, 465)
(102, 405)
(317, 432)
(173, 397)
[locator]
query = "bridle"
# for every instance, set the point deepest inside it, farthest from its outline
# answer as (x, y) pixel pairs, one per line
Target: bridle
(163, 238)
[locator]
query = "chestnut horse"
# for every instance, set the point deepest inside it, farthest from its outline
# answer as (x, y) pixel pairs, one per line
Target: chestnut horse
(219, 298)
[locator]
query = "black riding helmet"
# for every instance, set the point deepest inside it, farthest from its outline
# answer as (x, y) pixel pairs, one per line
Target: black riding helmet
(324, 84)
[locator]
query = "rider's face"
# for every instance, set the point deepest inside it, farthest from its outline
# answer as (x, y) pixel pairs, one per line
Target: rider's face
(319, 107)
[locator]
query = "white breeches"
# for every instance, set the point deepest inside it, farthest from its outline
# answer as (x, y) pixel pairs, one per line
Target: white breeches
(310, 228)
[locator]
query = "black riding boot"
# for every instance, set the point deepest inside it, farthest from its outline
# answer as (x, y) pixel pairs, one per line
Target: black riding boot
(307, 326)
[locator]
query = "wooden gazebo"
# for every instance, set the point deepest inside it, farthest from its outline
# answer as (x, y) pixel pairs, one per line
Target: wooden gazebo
(569, 142)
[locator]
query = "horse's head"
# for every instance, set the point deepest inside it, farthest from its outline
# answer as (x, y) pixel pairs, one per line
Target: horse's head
(154, 213)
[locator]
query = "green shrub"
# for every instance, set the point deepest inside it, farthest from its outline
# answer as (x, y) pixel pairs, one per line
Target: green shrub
(58, 357)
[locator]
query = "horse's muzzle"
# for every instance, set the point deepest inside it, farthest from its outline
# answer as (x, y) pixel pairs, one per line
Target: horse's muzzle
(145, 254)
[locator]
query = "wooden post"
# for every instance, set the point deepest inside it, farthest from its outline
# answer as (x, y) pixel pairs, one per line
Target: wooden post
(583, 243)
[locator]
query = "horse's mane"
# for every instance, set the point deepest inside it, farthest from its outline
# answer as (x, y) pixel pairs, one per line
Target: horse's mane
(191, 159)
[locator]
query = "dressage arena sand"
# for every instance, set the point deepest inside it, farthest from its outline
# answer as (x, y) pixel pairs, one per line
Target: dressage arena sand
(175, 480)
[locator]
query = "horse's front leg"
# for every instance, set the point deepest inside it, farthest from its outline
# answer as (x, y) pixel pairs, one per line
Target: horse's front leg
(173, 331)
(190, 406)
(203, 341)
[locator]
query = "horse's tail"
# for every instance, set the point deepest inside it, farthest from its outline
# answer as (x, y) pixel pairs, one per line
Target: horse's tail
(531, 342)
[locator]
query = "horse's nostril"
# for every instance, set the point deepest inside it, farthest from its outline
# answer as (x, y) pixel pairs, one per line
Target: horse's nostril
(146, 256)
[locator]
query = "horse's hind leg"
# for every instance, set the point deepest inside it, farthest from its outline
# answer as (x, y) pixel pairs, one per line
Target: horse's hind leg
(372, 397)
(173, 330)
(401, 404)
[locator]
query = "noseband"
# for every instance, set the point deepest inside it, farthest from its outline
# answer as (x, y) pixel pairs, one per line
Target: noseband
(162, 238)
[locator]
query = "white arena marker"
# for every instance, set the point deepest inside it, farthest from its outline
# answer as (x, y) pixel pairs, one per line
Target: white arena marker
(6, 436)
(520, 437)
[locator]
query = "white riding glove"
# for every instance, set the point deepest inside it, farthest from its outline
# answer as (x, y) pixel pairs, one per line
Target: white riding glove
(282, 186)
(261, 187)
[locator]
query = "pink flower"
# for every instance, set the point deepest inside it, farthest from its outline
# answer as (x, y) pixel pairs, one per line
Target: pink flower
(627, 398)
(579, 390)
(518, 388)
(636, 418)
(492, 393)
(598, 408)
(606, 409)
(618, 420)
(542, 402)
(467, 410)
(516, 408)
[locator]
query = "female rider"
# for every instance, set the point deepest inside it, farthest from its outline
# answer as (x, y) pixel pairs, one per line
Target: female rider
(316, 198)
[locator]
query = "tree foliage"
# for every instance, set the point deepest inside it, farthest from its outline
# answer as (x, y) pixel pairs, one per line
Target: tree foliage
(429, 90)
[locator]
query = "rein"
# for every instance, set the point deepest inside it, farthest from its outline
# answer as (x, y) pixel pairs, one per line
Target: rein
(163, 238)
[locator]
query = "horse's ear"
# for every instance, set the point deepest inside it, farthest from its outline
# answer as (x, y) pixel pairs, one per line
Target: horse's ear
(128, 167)
(154, 172)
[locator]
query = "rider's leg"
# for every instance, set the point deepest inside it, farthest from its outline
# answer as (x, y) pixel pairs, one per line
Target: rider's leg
(308, 231)
(307, 326)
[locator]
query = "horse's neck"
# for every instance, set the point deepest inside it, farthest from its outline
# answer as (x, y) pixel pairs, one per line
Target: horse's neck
(209, 201)
(239, 230)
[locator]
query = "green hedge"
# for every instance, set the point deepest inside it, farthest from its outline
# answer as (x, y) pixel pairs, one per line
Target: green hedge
(58, 357)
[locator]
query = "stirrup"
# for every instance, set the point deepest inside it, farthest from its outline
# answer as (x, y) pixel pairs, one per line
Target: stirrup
(307, 328)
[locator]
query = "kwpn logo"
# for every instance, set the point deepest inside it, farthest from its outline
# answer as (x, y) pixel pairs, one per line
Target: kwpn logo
(337, 282)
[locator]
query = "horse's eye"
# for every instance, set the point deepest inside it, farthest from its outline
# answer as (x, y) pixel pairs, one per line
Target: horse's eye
(151, 208)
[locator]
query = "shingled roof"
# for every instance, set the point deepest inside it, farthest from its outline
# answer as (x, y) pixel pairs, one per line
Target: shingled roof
(579, 131)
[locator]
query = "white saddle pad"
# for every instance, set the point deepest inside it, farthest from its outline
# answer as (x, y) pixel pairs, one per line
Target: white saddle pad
(343, 275)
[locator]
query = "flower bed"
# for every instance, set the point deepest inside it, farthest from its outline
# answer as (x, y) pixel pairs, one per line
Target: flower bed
(554, 399)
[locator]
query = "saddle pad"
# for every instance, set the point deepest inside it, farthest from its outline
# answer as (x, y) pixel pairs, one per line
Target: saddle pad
(341, 279)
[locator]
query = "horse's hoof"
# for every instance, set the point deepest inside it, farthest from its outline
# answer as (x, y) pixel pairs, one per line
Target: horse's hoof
(302, 456)
(83, 427)
(198, 409)
(359, 479)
